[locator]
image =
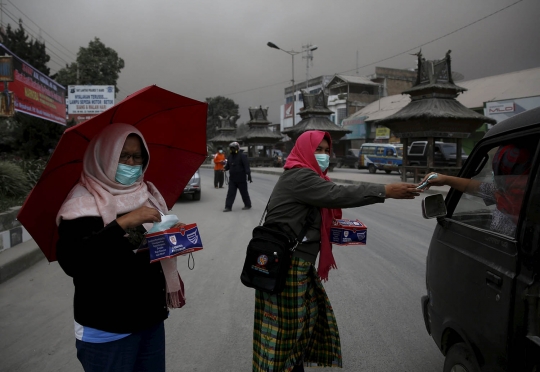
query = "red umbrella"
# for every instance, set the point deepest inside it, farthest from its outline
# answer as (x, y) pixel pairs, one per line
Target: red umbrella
(174, 128)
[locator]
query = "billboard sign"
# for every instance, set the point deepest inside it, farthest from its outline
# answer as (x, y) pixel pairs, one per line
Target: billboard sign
(504, 109)
(358, 127)
(35, 93)
(287, 113)
(87, 100)
(382, 133)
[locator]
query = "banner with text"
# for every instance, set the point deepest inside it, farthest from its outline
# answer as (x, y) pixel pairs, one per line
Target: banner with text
(89, 100)
(35, 93)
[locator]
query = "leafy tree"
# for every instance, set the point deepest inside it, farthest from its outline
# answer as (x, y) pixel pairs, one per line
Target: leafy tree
(25, 135)
(97, 65)
(32, 51)
(218, 106)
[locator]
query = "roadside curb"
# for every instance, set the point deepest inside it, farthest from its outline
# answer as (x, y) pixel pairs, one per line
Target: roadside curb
(19, 258)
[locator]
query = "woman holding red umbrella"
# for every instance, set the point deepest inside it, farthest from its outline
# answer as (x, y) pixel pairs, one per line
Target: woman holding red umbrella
(121, 299)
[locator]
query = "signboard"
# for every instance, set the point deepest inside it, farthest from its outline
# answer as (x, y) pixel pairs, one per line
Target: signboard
(287, 112)
(358, 127)
(35, 93)
(382, 133)
(90, 99)
(501, 110)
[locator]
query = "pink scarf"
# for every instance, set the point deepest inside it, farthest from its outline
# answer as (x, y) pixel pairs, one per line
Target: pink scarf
(99, 195)
(303, 156)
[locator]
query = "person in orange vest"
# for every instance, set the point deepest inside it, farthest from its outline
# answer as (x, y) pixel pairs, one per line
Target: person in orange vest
(219, 172)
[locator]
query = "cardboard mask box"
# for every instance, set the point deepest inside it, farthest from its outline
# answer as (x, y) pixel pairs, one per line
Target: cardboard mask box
(174, 242)
(348, 232)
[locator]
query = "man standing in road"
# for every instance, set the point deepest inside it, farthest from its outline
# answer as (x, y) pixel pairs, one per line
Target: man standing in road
(219, 165)
(239, 173)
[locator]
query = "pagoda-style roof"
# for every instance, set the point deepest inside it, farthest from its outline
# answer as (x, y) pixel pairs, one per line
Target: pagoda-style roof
(258, 132)
(315, 117)
(434, 110)
(226, 131)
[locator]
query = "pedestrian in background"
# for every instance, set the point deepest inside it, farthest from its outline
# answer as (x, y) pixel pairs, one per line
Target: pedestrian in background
(298, 325)
(121, 299)
(219, 168)
(239, 174)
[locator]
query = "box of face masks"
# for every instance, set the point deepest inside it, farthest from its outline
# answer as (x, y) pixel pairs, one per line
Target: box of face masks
(174, 242)
(348, 232)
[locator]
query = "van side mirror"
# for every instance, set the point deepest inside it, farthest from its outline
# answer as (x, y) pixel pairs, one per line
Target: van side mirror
(433, 206)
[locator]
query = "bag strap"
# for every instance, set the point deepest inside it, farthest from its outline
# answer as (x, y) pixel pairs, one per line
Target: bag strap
(310, 218)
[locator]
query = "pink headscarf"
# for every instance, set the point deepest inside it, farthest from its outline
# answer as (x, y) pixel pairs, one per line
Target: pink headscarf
(303, 156)
(98, 194)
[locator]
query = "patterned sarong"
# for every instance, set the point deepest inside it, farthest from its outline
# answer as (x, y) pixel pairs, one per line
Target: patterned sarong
(297, 324)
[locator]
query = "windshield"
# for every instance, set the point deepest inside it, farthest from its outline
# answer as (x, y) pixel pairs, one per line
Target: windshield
(450, 149)
(399, 151)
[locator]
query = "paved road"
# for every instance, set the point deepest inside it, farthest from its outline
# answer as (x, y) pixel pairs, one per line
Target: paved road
(375, 293)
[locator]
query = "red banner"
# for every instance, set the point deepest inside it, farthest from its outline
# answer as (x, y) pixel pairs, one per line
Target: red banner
(288, 111)
(35, 93)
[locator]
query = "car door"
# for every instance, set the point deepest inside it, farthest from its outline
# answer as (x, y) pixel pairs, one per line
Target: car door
(473, 259)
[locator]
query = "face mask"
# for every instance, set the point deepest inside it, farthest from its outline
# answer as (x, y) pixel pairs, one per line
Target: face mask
(128, 174)
(220, 151)
(323, 160)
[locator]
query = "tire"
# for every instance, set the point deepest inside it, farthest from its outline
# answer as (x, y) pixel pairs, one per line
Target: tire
(387, 171)
(371, 168)
(460, 359)
(197, 196)
(339, 164)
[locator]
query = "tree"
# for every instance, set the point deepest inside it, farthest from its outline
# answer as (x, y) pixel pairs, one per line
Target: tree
(33, 51)
(218, 106)
(96, 65)
(25, 135)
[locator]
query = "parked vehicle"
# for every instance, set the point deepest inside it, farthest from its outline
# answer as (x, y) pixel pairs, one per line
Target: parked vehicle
(482, 306)
(444, 154)
(350, 159)
(193, 187)
(381, 156)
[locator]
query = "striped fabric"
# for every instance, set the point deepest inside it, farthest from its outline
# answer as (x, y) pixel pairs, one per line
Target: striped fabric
(297, 324)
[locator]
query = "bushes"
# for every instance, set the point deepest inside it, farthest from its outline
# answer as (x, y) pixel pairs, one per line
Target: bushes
(17, 177)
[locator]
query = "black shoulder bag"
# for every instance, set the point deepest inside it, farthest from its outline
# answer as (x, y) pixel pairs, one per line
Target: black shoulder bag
(268, 256)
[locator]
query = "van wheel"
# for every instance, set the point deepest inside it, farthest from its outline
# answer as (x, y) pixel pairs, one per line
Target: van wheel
(460, 359)
(339, 164)
(197, 196)
(371, 168)
(387, 171)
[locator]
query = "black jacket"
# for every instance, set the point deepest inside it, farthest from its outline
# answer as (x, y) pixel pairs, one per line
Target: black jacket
(116, 290)
(238, 167)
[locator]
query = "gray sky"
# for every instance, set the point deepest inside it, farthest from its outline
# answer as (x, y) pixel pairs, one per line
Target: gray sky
(206, 48)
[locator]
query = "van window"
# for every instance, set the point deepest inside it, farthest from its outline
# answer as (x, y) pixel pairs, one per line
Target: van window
(380, 151)
(417, 149)
(494, 196)
(399, 151)
(368, 150)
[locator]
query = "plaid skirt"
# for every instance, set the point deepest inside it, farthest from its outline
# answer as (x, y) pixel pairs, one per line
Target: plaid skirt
(296, 325)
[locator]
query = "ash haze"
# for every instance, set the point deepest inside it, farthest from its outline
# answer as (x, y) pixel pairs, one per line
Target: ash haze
(206, 48)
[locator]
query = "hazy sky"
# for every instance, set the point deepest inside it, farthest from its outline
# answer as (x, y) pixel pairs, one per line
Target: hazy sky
(206, 48)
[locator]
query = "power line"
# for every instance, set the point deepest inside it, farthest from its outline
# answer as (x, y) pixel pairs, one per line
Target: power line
(72, 54)
(439, 38)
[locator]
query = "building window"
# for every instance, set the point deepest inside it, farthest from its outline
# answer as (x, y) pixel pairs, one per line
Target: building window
(341, 113)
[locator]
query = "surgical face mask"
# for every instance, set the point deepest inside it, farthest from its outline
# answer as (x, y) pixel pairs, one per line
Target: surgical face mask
(220, 151)
(323, 160)
(128, 174)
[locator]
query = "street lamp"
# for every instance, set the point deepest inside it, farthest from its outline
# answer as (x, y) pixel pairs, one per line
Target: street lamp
(292, 53)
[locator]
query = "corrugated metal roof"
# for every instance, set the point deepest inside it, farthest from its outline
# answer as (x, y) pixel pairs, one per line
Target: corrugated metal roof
(512, 85)
(354, 80)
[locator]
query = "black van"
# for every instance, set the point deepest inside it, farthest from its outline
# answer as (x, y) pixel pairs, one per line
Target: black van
(444, 154)
(482, 306)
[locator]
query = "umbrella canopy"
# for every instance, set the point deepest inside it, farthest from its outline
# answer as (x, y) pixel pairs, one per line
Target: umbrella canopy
(174, 128)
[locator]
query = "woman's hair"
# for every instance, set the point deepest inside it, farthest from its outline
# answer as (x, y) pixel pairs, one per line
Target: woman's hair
(144, 152)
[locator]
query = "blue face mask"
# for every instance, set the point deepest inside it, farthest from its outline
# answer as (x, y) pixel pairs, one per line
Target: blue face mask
(220, 151)
(323, 160)
(128, 174)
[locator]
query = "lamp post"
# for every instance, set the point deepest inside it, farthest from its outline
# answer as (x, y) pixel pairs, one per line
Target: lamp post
(292, 53)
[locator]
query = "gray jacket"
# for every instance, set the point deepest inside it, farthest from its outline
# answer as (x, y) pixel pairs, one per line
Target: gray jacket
(300, 188)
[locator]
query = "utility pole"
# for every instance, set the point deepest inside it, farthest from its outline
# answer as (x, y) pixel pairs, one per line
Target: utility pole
(308, 49)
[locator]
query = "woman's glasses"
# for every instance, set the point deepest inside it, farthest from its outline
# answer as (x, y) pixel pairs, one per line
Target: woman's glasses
(137, 158)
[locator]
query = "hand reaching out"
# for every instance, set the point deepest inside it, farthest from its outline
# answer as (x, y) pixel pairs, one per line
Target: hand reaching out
(401, 191)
